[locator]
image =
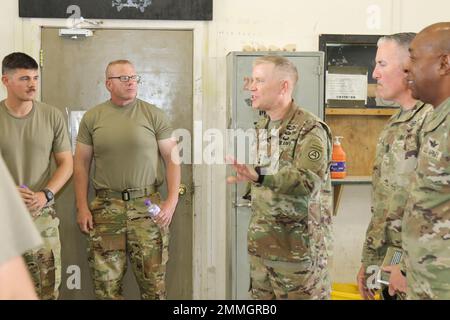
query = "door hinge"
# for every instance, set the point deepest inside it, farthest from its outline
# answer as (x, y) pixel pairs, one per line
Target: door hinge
(41, 58)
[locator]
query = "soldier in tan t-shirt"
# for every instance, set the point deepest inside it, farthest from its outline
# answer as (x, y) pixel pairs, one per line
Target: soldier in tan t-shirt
(30, 134)
(17, 235)
(127, 138)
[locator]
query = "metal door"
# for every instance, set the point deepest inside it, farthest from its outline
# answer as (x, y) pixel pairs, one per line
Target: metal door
(73, 76)
(309, 95)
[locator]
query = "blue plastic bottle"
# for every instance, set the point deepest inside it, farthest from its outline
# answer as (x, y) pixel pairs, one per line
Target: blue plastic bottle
(152, 208)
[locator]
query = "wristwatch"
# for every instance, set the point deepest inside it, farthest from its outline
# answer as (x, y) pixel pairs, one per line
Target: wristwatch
(48, 194)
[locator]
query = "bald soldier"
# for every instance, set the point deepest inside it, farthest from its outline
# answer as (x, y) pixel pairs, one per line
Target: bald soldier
(291, 207)
(395, 161)
(426, 224)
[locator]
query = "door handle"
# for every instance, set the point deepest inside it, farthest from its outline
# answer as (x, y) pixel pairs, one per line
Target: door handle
(242, 205)
(182, 189)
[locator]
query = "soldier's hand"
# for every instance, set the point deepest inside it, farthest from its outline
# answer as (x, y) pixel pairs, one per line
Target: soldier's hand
(243, 172)
(27, 195)
(397, 281)
(34, 201)
(164, 218)
(84, 220)
(364, 291)
(39, 201)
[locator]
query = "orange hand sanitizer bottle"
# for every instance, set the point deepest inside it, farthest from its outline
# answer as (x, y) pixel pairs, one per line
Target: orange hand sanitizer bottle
(338, 166)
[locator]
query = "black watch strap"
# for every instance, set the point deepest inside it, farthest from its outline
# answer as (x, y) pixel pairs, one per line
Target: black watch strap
(48, 194)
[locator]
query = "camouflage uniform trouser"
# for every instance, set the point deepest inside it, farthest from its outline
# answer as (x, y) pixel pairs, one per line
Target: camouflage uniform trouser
(286, 280)
(121, 229)
(44, 263)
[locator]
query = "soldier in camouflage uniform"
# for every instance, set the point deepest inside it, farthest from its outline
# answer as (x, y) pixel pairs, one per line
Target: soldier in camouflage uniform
(30, 133)
(426, 224)
(291, 208)
(18, 234)
(396, 157)
(127, 137)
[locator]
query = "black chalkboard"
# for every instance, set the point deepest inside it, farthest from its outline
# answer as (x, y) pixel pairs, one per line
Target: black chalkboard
(119, 9)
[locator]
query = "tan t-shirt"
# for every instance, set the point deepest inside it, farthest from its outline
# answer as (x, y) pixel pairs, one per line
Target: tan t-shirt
(125, 145)
(27, 143)
(17, 231)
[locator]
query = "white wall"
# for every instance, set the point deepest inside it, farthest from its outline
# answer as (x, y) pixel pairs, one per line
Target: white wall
(257, 23)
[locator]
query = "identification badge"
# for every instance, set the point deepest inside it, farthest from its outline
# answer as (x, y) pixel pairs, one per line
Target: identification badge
(393, 256)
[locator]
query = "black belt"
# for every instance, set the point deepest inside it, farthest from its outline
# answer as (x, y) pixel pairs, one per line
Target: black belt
(127, 194)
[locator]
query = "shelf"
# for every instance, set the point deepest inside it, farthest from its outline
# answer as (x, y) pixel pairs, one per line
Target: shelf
(329, 111)
(352, 180)
(338, 185)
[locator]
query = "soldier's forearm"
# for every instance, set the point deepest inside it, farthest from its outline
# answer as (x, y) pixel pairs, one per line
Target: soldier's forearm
(173, 176)
(373, 243)
(63, 172)
(59, 178)
(370, 256)
(81, 183)
(15, 280)
(293, 181)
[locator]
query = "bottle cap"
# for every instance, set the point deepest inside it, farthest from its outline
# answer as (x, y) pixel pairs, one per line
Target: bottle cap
(337, 139)
(147, 202)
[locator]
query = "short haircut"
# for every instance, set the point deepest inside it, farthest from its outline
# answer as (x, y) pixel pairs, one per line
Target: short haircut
(281, 64)
(116, 62)
(403, 39)
(18, 60)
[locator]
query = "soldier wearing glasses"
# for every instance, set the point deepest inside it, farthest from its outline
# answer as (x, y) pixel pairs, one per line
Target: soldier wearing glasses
(127, 137)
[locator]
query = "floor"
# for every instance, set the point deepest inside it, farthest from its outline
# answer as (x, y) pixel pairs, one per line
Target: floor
(349, 227)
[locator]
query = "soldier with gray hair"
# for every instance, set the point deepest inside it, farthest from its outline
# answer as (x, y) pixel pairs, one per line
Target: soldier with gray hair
(129, 139)
(426, 224)
(395, 161)
(291, 207)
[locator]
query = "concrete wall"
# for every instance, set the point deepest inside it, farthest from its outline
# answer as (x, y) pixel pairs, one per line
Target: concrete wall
(257, 23)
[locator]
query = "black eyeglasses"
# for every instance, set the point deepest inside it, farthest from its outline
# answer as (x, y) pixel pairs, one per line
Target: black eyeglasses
(127, 78)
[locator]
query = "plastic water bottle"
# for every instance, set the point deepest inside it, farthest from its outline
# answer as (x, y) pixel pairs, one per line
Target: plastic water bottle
(152, 208)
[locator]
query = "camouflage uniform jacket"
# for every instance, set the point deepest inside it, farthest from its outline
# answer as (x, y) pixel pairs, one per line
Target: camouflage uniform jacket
(426, 225)
(395, 161)
(287, 207)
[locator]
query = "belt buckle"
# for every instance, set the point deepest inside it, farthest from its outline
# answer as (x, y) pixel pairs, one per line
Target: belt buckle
(126, 195)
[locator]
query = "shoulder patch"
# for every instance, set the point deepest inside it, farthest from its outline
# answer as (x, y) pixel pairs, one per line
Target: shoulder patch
(315, 155)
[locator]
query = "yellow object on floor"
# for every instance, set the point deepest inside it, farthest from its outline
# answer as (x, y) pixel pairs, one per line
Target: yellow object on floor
(347, 291)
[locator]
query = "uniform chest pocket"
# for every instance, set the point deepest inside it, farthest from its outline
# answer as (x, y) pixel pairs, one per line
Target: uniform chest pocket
(393, 153)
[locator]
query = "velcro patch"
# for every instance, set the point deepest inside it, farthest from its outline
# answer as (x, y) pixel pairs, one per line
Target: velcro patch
(314, 155)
